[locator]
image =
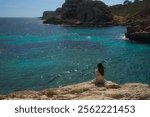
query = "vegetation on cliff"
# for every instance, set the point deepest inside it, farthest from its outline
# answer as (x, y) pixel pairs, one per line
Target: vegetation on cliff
(129, 10)
(137, 15)
(139, 29)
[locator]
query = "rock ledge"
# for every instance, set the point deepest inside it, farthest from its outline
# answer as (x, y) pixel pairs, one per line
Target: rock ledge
(86, 91)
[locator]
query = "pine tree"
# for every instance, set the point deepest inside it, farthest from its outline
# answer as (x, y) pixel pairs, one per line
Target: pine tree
(126, 2)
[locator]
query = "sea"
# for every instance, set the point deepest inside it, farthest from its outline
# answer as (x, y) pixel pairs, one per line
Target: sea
(37, 56)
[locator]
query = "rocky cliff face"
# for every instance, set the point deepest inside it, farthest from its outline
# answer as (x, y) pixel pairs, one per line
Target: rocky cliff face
(83, 12)
(139, 29)
(48, 14)
(137, 17)
(51, 14)
(142, 19)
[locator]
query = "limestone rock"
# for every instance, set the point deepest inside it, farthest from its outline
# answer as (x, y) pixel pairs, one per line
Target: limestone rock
(111, 85)
(88, 91)
(48, 14)
(143, 37)
(140, 27)
(133, 29)
(147, 29)
(83, 12)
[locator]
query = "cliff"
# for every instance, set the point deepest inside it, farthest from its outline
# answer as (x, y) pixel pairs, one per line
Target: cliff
(137, 16)
(82, 12)
(88, 91)
(142, 18)
(133, 12)
(49, 14)
(129, 10)
(139, 29)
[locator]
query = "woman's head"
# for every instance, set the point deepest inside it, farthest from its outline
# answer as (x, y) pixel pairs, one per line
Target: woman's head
(100, 68)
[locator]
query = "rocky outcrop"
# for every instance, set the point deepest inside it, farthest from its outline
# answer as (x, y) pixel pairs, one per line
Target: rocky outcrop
(142, 18)
(88, 91)
(130, 10)
(139, 36)
(136, 16)
(51, 14)
(139, 29)
(119, 20)
(83, 12)
(48, 14)
(138, 33)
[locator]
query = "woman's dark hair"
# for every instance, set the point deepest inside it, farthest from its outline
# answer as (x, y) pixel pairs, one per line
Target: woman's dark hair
(100, 68)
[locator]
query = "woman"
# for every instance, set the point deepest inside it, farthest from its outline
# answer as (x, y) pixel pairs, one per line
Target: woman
(100, 74)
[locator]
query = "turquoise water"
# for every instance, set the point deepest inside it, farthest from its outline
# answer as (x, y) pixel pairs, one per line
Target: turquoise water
(37, 56)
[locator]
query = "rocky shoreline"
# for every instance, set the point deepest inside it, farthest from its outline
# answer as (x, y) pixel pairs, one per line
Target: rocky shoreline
(139, 29)
(86, 91)
(97, 13)
(139, 36)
